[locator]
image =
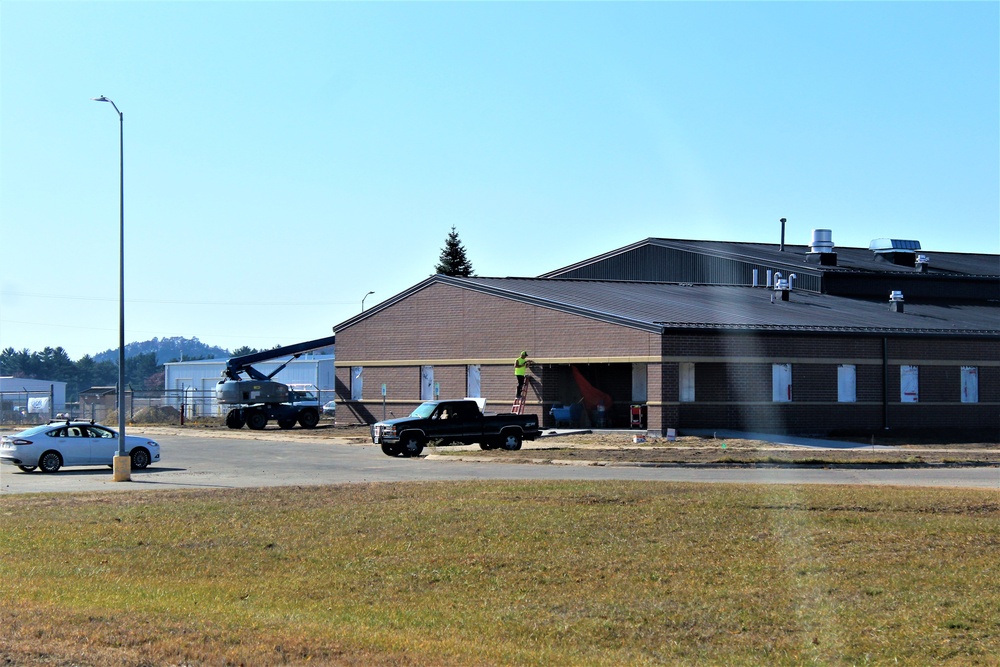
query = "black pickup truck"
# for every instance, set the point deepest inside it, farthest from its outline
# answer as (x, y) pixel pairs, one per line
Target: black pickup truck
(452, 422)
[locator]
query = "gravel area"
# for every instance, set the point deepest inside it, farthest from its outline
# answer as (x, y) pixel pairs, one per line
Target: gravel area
(621, 447)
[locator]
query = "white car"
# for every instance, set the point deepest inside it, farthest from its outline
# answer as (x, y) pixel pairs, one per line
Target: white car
(73, 443)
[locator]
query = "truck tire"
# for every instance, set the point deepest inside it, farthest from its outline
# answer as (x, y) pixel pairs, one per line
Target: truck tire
(234, 419)
(308, 418)
(411, 444)
(510, 440)
(390, 450)
(256, 420)
(486, 445)
(286, 423)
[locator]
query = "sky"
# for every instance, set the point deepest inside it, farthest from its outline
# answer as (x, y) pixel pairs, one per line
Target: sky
(284, 159)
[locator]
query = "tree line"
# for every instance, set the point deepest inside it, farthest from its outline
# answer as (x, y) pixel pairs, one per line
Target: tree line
(141, 370)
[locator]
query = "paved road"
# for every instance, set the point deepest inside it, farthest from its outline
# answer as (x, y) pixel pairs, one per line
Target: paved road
(216, 463)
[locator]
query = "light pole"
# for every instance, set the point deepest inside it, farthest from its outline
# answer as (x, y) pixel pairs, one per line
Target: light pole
(363, 300)
(122, 468)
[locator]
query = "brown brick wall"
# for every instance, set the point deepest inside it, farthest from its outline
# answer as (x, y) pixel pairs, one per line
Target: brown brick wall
(446, 322)
(448, 327)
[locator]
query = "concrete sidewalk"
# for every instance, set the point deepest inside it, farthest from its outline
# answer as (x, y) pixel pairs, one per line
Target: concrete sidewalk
(793, 440)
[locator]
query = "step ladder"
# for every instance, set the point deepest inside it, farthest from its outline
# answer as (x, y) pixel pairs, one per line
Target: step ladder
(518, 407)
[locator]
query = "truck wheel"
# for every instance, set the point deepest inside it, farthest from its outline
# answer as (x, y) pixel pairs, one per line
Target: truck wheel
(286, 423)
(510, 441)
(257, 420)
(308, 418)
(390, 450)
(235, 419)
(486, 446)
(411, 444)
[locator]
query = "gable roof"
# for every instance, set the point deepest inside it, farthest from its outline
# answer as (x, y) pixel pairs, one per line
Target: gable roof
(659, 307)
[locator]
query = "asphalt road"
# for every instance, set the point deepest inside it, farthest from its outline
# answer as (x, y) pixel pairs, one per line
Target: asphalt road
(192, 462)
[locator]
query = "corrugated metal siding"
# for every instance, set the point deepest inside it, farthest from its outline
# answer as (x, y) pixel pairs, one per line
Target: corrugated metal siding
(857, 273)
(914, 286)
(656, 263)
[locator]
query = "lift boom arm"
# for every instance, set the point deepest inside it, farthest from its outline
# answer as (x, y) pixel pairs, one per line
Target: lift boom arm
(242, 364)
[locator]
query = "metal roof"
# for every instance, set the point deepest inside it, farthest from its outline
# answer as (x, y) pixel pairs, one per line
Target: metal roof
(794, 258)
(661, 306)
(633, 286)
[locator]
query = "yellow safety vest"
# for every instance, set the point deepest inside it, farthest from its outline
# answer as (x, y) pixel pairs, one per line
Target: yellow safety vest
(519, 365)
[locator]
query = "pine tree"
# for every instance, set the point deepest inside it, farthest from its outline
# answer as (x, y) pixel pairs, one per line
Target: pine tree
(453, 261)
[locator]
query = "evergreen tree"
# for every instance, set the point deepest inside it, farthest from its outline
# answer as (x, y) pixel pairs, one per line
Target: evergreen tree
(453, 261)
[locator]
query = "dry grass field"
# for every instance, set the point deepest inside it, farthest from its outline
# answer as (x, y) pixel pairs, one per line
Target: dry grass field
(501, 573)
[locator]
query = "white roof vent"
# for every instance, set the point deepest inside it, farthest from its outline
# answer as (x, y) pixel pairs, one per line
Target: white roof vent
(821, 248)
(822, 241)
(896, 301)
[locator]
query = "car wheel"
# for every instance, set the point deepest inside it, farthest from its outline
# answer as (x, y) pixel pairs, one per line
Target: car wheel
(286, 423)
(235, 419)
(140, 458)
(308, 418)
(411, 444)
(390, 450)
(511, 441)
(50, 462)
(26, 468)
(257, 420)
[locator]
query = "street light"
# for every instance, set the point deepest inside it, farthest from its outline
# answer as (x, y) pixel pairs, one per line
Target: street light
(122, 468)
(363, 300)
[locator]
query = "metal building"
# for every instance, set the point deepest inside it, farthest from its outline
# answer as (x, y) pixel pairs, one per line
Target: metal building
(24, 397)
(192, 383)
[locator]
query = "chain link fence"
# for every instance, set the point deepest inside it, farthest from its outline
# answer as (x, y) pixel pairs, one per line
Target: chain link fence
(141, 406)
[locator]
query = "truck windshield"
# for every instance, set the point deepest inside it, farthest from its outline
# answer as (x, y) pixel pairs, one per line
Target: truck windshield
(424, 410)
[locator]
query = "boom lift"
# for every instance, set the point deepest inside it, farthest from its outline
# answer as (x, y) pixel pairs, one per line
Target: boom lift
(259, 398)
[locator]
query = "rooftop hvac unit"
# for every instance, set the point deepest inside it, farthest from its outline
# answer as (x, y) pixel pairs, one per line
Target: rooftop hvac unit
(897, 251)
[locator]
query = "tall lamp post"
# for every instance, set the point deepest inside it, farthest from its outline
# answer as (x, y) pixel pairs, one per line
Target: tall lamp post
(363, 300)
(122, 464)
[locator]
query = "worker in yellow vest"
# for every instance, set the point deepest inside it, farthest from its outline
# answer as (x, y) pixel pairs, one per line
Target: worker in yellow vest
(520, 365)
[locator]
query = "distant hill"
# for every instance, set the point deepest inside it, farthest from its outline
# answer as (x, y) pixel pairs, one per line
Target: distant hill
(168, 349)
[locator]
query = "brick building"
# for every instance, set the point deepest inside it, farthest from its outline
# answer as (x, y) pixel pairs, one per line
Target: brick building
(799, 339)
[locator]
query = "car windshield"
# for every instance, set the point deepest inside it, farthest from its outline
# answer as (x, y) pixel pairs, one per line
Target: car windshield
(424, 410)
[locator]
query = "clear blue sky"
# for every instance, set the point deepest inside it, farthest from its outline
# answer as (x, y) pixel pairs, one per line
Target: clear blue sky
(283, 159)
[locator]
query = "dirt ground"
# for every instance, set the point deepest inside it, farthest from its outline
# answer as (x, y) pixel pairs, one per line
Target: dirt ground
(611, 447)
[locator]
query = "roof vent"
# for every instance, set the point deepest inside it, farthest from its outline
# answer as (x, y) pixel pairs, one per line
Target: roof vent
(896, 301)
(923, 263)
(821, 248)
(783, 285)
(896, 251)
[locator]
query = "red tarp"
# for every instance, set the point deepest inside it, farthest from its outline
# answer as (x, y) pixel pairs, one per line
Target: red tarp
(592, 397)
